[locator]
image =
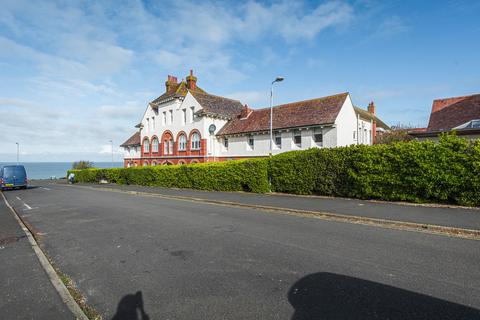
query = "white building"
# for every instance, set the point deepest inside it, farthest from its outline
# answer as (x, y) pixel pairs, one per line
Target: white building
(188, 125)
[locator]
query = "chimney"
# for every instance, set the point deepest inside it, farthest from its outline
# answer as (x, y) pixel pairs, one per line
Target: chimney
(245, 112)
(191, 81)
(371, 108)
(171, 80)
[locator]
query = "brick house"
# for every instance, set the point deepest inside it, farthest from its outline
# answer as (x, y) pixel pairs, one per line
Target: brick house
(188, 125)
(459, 114)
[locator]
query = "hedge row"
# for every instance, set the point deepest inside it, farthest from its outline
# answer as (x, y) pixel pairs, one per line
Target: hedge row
(447, 171)
(244, 175)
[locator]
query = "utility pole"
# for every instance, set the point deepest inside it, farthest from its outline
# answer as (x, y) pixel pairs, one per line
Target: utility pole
(278, 79)
(111, 164)
(18, 152)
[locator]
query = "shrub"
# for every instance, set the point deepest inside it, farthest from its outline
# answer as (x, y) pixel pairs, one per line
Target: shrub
(447, 171)
(243, 175)
(82, 164)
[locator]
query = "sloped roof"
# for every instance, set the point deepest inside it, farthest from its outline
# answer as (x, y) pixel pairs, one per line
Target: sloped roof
(211, 104)
(367, 115)
(452, 112)
(132, 141)
(176, 90)
(215, 105)
(303, 113)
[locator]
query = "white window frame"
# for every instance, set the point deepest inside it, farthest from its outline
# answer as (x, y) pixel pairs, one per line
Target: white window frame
(192, 110)
(196, 141)
(182, 142)
(225, 143)
(298, 145)
(277, 135)
(317, 131)
(171, 116)
(155, 145)
(146, 146)
(164, 118)
(184, 116)
(250, 138)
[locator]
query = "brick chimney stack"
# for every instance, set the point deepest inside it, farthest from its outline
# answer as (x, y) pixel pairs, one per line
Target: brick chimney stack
(245, 112)
(171, 80)
(371, 108)
(191, 81)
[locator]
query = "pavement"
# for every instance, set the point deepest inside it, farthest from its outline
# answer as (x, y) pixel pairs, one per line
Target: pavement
(140, 257)
(25, 289)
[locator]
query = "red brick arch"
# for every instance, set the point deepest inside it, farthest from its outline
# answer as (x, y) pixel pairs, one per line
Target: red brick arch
(177, 141)
(143, 145)
(166, 135)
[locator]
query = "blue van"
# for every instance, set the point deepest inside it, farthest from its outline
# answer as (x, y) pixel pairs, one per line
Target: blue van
(13, 177)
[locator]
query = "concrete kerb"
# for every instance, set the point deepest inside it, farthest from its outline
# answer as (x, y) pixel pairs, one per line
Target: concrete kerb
(384, 223)
(49, 270)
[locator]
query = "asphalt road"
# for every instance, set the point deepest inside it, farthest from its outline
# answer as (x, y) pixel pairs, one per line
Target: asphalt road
(459, 217)
(171, 259)
(25, 289)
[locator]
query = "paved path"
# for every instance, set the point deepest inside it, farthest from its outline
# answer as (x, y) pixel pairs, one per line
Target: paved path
(25, 289)
(468, 218)
(187, 260)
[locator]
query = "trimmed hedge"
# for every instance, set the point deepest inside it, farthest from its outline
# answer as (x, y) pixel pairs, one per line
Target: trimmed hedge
(447, 171)
(243, 175)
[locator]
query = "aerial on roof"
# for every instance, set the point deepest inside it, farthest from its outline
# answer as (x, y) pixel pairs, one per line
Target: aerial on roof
(297, 114)
(134, 140)
(453, 112)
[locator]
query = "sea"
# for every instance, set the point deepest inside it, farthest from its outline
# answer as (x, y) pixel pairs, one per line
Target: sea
(55, 170)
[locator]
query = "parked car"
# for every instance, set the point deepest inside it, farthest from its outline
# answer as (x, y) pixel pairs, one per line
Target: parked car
(14, 176)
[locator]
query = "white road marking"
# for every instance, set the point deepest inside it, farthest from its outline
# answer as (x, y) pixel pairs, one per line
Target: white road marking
(19, 198)
(48, 189)
(28, 207)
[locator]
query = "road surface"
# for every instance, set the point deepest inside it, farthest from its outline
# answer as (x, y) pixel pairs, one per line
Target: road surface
(171, 259)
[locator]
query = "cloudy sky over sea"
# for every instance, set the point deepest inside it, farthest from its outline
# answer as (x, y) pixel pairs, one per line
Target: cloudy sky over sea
(76, 74)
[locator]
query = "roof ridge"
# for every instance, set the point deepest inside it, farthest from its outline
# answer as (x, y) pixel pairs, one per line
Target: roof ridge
(217, 96)
(306, 100)
(458, 97)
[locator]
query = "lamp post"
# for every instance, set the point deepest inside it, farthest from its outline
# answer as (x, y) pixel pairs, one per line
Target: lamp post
(18, 152)
(111, 142)
(278, 79)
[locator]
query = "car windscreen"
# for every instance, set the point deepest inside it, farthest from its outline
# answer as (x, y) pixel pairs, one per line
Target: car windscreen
(14, 171)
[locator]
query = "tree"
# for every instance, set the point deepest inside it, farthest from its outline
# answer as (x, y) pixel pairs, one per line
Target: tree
(82, 164)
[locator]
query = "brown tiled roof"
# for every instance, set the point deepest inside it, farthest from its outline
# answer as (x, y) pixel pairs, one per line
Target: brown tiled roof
(215, 105)
(303, 113)
(176, 90)
(132, 141)
(452, 112)
(367, 115)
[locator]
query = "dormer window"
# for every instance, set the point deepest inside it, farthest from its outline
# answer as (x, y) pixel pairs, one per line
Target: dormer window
(297, 138)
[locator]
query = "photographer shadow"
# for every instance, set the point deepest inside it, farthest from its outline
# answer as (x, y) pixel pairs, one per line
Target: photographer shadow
(333, 296)
(131, 307)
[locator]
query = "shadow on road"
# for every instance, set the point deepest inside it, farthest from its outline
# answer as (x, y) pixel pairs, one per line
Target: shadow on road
(130, 307)
(333, 296)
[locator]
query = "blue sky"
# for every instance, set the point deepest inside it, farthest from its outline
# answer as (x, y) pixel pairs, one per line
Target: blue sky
(75, 74)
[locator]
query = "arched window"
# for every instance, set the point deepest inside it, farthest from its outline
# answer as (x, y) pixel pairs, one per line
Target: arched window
(195, 141)
(145, 163)
(181, 162)
(155, 145)
(182, 142)
(146, 145)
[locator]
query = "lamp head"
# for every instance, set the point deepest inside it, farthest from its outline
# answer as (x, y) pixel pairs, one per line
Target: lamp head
(278, 79)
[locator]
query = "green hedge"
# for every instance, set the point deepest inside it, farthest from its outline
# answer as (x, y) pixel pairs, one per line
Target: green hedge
(447, 171)
(243, 175)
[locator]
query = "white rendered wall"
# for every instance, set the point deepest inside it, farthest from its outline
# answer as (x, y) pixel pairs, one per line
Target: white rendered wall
(346, 124)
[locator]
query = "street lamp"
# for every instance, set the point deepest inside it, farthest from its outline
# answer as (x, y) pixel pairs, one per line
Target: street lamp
(278, 79)
(111, 142)
(18, 151)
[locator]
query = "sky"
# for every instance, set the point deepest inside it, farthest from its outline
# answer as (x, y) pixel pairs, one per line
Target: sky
(76, 74)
